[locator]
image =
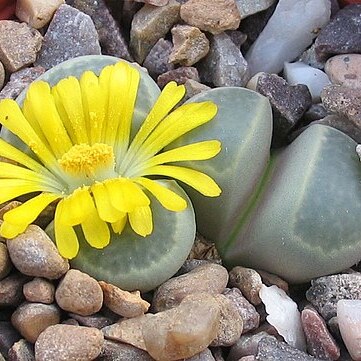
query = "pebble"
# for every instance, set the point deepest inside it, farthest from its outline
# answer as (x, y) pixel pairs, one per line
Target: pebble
(36, 13)
(79, 293)
(68, 343)
(287, 34)
(300, 73)
(349, 318)
(342, 35)
(326, 291)
(310, 58)
(8, 336)
(5, 262)
(30, 319)
(179, 75)
(123, 303)
(19, 81)
(224, 65)
(154, 2)
(117, 351)
(193, 87)
(231, 323)
(214, 16)
(315, 112)
(34, 254)
(203, 249)
(183, 331)
(210, 278)
(71, 33)
(345, 70)
(21, 351)
(248, 281)
(97, 320)
(283, 315)
(190, 45)
(11, 290)
(39, 290)
(205, 355)
(2, 75)
(270, 279)
(246, 310)
(157, 61)
(19, 49)
(150, 24)
(237, 37)
(247, 8)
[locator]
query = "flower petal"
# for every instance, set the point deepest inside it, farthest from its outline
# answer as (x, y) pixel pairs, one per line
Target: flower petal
(10, 231)
(197, 180)
(141, 220)
(119, 225)
(168, 199)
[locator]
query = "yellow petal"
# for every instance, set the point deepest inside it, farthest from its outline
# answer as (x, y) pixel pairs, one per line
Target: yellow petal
(168, 199)
(197, 180)
(119, 225)
(65, 237)
(77, 206)
(141, 220)
(9, 230)
(105, 208)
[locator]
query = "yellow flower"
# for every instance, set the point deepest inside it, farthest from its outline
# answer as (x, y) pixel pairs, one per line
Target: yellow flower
(79, 133)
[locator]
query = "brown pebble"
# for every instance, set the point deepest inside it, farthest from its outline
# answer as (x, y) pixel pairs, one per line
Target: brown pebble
(68, 343)
(39, 290)
(30, 319)
(79, 293)
(193, 88)
(214, 16)
(211, 278)
(154, 2)
(34, 254)
(11, 290)
(179, 75)
(98, 321)
(21, 351)
(5, 262)
(270, 279)
(19, 44)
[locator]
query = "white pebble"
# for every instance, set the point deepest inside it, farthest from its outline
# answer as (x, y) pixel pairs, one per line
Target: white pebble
(283, 315)
(349, 321)
(300, 73)
(287, 34)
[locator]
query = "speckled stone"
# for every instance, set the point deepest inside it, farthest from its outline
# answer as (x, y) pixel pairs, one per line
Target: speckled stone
(2, 75)
(342, 35)
(326, 291)
(150, 24)
(11, 290)
(39, 290)
(71, 33)
(5, 263)
(214, 16)
(19, 49)
(21, 351)
(179, 75)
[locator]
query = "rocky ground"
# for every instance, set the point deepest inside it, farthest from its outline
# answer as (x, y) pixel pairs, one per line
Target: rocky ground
(205, 312)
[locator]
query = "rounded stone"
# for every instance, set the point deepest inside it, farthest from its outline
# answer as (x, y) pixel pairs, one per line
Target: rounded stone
(79, 293)
(30, 319)
(34, 254)
(39, 290)
(2, 75)
(11, 290)
(5, 263)
(68, 343)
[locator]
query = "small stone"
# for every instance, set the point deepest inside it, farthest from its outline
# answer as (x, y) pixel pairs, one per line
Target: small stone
(190, 45)
(283, 315)
(31, 319)
(270, 279)
(98, 321)
(315, 112)
(79, 293)
(184, 330)
(11, 290)
(5, 262)
(150, 24)
(247, 358)
(179, 75)
(326, 291)
(154, 2)
(320, 343)
(224, 65)
(36, 13)
(345, 70)
(39, 290)
(237, 37)
(247, 8)
(214, 16)
(211, 278)
(117, 351)
(342, 35)
(246, 310)
(70, 321)
(248, 281)
(203, 249)
(2, 75)
(157, 61)
(21, 351)
(349, 318)
(123, 303)
(19, 81)
(192, 88)
(269, 349)
(34, 254)
(19, 49)
(310, 58)
(217, 354)
(71, 33)
(68, 343)
(287, 34)
(231, 323)
(8, 336)
(205, 355)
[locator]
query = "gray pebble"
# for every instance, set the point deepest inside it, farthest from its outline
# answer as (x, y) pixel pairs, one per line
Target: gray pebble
(21, 351)
(2, 75)
(247, 8)
(98, 321)
(5, 262)
(179, 75)
(11, 290)
(8, 336)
